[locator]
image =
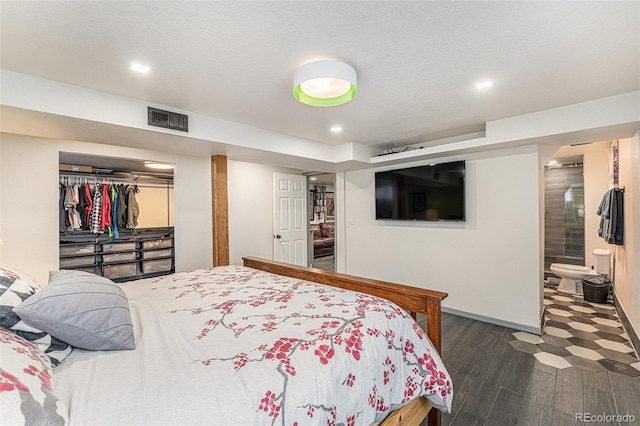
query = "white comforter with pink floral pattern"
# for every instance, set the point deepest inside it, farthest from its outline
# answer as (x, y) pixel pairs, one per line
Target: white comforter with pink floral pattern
(237, 346)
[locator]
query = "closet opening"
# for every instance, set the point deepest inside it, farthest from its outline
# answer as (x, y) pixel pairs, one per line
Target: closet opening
(116, 216)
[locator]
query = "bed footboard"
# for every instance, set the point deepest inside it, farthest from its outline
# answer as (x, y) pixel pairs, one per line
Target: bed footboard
(410, 415)
(412, 299)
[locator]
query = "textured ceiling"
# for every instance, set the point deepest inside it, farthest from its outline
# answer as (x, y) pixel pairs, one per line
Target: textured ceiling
(417, 62)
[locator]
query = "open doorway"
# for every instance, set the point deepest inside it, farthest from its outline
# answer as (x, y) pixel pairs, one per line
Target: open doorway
(322, 218)
(575, 180)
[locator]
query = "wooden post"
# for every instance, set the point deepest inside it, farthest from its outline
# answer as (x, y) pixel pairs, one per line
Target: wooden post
(219, 210)
(434, 330)
(434, 418)
(434, 324)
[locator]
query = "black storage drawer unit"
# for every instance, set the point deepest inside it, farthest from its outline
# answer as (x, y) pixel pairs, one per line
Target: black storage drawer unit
(118, 246)
(119, 257)
(122, 270)
(68, 262)
(157, 243)
(155, 266)
(152, 254)
(136, 254)
(72, 249)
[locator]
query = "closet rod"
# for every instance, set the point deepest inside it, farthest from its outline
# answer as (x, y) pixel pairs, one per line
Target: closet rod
(144, 183)
(121, 174)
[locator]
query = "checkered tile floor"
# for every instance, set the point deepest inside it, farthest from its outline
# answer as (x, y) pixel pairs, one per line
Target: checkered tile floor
(582, 334)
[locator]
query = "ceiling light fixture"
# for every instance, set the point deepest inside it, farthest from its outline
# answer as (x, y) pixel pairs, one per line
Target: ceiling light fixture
(336, 129)
(484, 84)
(142, 69)
(325, 83)
(160, 166)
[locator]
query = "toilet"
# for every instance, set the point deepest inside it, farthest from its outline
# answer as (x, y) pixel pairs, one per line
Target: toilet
(571, 276)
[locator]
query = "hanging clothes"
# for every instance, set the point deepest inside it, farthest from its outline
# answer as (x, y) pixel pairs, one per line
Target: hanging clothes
(76, 212)
(62, 215)
(105, 217)
(611, 212)
(122, 206)
(113, 192)
(70, 202)
(88, 206)
(132, 207)
(96, 212)
(97, 208)
(81, 207)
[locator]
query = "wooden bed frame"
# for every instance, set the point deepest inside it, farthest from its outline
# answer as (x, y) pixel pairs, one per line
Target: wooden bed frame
(412, 299)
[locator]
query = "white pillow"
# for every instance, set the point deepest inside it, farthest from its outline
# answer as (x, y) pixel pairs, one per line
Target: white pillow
(85, 310)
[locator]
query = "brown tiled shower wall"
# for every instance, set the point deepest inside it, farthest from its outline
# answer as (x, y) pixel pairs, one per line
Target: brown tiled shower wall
(561, 246)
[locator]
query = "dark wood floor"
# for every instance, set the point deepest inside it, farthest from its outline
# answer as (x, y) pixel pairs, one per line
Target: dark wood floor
(495, 384)
(325, 262)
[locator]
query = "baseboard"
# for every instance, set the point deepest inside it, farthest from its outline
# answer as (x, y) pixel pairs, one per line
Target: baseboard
(508, 324)
(633, 335)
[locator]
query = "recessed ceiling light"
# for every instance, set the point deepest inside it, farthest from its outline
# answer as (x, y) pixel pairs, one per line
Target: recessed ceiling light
(482, 85)
(161, 166)
(313, 178)
(336, 129)
(142, 69)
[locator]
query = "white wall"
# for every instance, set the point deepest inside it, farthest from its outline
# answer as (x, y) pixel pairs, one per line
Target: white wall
(29, 205)
(490, 265)
(627, 257)
(250, 187)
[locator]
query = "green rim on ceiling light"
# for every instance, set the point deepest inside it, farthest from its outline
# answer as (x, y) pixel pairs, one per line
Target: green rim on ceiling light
(310, 100)
(325, 69)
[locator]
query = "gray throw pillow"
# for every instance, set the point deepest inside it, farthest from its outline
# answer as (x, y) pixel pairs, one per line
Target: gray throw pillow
(85, 310)
(16, 287)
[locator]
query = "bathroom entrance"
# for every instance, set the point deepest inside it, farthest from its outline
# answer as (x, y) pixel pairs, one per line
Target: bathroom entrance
(564, 214)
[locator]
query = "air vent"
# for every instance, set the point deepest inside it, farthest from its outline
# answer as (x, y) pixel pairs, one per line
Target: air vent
(168, 120)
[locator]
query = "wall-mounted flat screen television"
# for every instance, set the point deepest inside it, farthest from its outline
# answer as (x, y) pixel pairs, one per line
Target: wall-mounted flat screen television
(432, 192)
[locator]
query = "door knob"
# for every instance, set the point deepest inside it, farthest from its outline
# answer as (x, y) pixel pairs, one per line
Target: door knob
(278, 236)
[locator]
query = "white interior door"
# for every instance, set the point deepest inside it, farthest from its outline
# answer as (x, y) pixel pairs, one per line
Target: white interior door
(290, 218)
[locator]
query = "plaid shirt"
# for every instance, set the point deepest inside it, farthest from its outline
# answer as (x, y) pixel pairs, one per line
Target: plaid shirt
(96, 215)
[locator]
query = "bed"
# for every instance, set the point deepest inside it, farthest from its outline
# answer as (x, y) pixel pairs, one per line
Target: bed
(263, 343)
